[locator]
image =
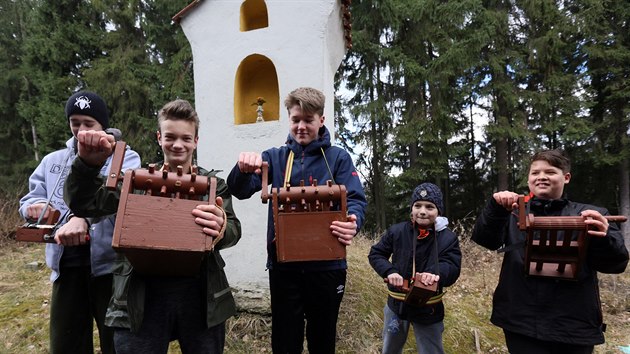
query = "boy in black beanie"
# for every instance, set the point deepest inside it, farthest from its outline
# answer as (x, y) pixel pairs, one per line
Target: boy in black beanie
(80, 266)
(434, 248)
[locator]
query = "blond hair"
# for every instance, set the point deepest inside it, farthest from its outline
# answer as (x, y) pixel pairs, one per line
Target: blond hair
(309, 99)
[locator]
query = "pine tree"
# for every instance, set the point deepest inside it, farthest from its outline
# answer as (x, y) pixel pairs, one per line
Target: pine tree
(17, 158)
(607, 49)
(59, 39)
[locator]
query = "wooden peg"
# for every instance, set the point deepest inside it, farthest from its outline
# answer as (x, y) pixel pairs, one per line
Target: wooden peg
(147, 187)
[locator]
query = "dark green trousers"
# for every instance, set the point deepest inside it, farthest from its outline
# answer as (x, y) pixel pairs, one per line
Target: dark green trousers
(78, 299)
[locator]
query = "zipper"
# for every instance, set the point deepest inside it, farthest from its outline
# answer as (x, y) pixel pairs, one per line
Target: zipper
(302, 166)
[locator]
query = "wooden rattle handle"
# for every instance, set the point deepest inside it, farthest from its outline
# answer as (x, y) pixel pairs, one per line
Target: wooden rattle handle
(264, 195)
(117, 162)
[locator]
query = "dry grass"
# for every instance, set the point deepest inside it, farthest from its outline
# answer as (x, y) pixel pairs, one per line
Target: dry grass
(24, 293)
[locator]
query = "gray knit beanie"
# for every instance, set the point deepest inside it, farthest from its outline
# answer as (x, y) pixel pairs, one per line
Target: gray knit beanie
(428, 192)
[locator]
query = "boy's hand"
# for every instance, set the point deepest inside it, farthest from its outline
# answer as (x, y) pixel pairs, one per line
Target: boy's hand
(345, 230)
(598, 225)
(95, 146)
(394, 279)
(250, 162)
(73, 233)
(507, 199)
(33, 211)
(212, 218)
(427, 278)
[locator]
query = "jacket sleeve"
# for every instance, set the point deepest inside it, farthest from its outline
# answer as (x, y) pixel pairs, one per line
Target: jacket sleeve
(450, 258)
(233, 229)
(490, 228)
(346, 174)
(608, 254)
(244, 185)
(85, 192)
(380, 254)
(37, 192)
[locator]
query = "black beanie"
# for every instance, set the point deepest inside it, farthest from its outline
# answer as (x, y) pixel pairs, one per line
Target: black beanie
(428, 192)
(89, 104)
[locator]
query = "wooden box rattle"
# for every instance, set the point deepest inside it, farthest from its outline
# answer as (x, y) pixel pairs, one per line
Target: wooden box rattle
(416, 293)
(302, 216)
(555, 246)
(155, 229)
(39, 232)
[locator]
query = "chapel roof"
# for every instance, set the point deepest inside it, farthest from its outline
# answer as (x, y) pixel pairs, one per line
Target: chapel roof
(345, 13)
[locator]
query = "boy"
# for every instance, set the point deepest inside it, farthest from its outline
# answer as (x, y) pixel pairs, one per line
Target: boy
(81, 270)
(419, 241)
(300, 291)
(148, 312)
(540, 315)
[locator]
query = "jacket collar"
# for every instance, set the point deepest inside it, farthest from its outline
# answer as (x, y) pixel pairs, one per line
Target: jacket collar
(322, 141)
(547, 206)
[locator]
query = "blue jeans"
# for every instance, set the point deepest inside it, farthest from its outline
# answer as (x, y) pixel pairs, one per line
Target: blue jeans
(395, 330)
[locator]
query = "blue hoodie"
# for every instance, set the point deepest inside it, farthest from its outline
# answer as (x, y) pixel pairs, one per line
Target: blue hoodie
(308, 165)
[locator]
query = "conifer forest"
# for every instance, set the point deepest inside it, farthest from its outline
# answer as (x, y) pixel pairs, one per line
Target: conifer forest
(456, 92)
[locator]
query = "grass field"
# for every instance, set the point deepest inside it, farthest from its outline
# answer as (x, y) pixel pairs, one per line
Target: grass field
(25, 291)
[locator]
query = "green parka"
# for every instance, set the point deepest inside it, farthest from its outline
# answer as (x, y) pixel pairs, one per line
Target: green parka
(86, 195)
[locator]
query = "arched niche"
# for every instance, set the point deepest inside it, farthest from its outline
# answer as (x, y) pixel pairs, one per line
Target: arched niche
(256, 77)
(253, 15)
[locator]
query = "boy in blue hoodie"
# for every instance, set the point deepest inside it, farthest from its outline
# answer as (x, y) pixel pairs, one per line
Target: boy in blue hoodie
(310, 290)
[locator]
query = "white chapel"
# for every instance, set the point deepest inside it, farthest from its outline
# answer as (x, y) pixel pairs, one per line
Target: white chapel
(243, 51)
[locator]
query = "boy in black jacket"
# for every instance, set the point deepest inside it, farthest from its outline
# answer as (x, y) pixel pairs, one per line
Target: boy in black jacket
(540, 315)
(430, 235)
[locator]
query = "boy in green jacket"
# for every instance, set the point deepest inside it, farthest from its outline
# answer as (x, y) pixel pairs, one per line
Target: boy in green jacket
(147, 312)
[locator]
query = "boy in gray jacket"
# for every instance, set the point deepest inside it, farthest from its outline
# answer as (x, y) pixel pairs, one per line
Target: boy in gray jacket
(81, 269)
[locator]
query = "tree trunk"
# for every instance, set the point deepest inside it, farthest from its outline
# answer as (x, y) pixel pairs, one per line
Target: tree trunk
(503, 176)
(377, 176)
(624, 198)
(34, 133)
